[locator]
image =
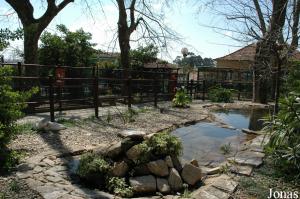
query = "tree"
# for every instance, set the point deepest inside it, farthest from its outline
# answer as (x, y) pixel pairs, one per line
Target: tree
(6, 35)
(33, 27)
(143, 55)
(274, 25)
(67, 48)
(139, 14)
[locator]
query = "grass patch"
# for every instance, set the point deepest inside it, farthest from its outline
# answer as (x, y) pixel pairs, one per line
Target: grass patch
(2, 195)
(67, 122)
(26, 128)
(14, 186)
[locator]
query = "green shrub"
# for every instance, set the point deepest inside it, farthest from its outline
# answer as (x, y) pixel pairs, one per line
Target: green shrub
(119, 187)
(11, 105)
(181, 98)
(220, 94)
(284, 145)
(163, 144)
(93, 169)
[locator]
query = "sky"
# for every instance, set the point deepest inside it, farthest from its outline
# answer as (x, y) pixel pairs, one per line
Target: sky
(188, 19)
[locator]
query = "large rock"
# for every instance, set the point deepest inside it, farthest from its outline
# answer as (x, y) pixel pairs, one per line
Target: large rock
(141, 170)
(114, 150)
(176, 162)
(46, 125)
(191, 174)
(127, 143)
(143, 184)
(120, 169)
(163, 185)
(132, 134)
(158, 168)
(174, 180)
(169, 162)
(134, 153)
(194, 162)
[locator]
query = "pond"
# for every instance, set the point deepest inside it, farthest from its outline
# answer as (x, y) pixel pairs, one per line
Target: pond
(203, 140)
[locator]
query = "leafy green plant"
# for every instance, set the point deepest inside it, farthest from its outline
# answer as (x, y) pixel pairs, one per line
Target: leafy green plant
(284, 129)
(129, 115)
(226, 149)
(93, 169)
(11, 105)
(14, 186)
(186, 193)
(220, 94)
(164, 143)
(2, 195)
(119, 187)
(181, 98)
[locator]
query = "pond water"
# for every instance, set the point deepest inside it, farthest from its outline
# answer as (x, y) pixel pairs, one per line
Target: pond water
(203, 140)
(239, 118)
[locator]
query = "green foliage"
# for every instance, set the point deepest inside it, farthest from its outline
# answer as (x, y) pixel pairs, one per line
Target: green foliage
(163, 144)
(143, 55)
(114, 64)
(181, 98)
(186, 193)
(67, 122)
(119, 187)
(226, 149)
(220, 94)
(14, 186)
(292, 83)
(284, 145)
(67, 48)
(93, 169)
(11, 105)
(6, 35)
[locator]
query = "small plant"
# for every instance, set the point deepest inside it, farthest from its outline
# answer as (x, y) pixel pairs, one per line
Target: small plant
(128, 116)
(119, 187)
(186, 193)
(67, 122)
(14, 186)
(164, 143)
(220, 94)
(108, 117)
(25, 128)
(93, 169)
(2, 195)
(181, 99)
(226, 149)
(225, 169)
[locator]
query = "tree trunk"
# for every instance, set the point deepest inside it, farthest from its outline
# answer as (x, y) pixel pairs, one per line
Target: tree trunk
(31, 37)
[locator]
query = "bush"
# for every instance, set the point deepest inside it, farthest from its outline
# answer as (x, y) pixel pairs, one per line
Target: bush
(11, 105)
(284, 145)
(181, 98)
(93, 169)
(119, 187)
(220, 94)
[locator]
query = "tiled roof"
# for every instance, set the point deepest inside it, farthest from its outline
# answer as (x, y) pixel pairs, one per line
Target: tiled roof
(248, 53)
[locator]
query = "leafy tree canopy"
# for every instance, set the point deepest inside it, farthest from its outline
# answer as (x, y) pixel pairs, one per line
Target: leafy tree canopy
(67, 48)
(193, 61)
(6, 35)
(143, 55)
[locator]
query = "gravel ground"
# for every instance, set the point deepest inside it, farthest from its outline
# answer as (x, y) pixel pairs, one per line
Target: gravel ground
(10, 188)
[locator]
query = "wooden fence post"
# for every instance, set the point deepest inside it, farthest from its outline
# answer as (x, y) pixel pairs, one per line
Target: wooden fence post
(51, 98)
(96, 96)
(129, 91)
(191, 88)
(154, 86)
(203, 90)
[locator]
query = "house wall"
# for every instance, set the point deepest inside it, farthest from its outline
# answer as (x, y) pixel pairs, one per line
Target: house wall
(235, 64)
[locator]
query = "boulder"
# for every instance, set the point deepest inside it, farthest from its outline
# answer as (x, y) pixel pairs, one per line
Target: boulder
(127, 143)
(191, 174)
(176, 162)
(49, 126)
(119, 169)
(141, 170)
(143, 184)
(169, 162)
(158, 168)
(134, 153)
(194, 162)
(132, 134)
(174, 180)
(163, 185)
(114, 150)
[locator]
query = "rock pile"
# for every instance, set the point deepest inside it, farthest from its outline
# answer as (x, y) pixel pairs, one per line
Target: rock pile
(159, 173)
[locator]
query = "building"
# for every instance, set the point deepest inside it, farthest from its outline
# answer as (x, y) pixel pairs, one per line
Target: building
(243, 58)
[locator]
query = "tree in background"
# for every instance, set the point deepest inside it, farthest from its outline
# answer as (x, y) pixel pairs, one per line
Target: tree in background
(143, 55)
(191, 61)
(33, 27)
(6, 35)
(67, 48)
(139, 16)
